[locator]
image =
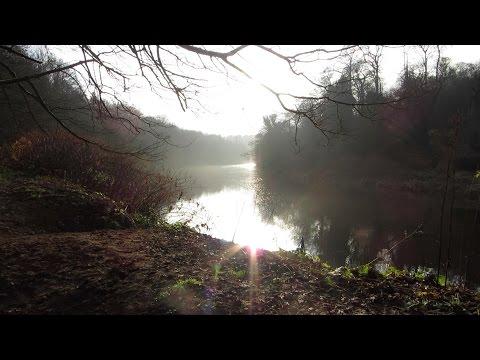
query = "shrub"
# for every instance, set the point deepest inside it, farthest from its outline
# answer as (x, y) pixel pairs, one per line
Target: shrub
(119, 177)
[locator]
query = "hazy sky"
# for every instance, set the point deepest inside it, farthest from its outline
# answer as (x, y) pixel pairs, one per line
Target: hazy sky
(237, 107)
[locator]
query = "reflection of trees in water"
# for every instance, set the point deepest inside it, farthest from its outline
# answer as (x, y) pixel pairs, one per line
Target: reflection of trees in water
(212, 179)
(344, 225)
(323, 227)
(322, 217)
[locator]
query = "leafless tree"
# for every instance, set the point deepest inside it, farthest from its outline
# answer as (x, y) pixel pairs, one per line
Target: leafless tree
(425, 49)
(100, 74)
(372, 56)
(439, 59)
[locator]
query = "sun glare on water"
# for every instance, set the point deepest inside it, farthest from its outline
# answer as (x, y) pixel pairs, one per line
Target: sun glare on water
(232, 215)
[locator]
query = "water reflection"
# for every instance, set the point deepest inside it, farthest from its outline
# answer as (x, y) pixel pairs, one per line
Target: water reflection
(340, 223)
(223, 198)
(346, 222)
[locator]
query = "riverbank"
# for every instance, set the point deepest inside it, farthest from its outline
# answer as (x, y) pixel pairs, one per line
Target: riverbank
(178, 271)
(171, 269)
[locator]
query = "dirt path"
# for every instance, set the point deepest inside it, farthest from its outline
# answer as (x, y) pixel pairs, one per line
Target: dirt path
(178, 271)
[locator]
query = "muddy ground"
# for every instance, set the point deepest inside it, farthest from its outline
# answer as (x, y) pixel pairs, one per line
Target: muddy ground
(178, 271)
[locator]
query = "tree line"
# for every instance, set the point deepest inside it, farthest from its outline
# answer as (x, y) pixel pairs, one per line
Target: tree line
(383, 137)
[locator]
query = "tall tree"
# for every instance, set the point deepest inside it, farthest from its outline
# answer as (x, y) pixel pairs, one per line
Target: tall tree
(102, 74)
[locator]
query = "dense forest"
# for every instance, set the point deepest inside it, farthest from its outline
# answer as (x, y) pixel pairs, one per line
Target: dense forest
(414, 134)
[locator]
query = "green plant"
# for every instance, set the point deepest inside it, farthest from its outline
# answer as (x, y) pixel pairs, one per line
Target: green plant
(347, 273)
(363, 270)
(317, 259)
(183, 283)
(239, 273)
(216, 271)
(420, 273)
(180, 285)
(393, 271)
(163, 294)
(441, 280)
(175, 227)
(145, 220)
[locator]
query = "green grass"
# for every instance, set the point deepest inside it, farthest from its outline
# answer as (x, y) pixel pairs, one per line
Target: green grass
(393, 271)
(420, 273)
(163, 294)
(175, 227)
(180, 285)
(216, 271)
(329, 281)
(441, 280)
(183, 283)
(363, 270)
(239, 273)
(347, 273)
(143, 220)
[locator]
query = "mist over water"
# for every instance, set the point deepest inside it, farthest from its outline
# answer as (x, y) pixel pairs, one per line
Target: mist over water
(224, 197)
(342, 225)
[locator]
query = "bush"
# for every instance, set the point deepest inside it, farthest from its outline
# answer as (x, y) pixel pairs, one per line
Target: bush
(119, 177)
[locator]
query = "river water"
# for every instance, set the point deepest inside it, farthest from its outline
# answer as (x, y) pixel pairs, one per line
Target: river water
(224, 198)
(341, 225)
